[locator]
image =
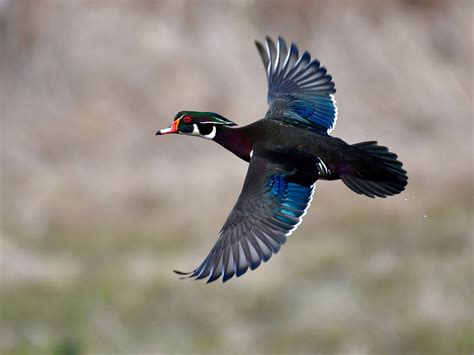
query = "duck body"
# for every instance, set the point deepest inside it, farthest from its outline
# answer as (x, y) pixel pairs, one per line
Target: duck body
(302, 148)
(277, 138)
(288, 152)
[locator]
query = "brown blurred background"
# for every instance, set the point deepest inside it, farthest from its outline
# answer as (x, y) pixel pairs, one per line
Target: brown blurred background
(97, 211)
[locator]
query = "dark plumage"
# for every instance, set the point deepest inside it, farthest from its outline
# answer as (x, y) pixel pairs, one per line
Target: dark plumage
(288, 151)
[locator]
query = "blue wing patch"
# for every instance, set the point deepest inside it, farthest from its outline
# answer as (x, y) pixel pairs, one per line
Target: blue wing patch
(300, 92)
(291, 201)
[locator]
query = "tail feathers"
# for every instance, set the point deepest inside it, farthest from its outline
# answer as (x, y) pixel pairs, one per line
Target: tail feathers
(372, 188)
(385, 178)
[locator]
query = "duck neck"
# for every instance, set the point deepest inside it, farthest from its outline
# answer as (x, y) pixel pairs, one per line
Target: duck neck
(235, 140)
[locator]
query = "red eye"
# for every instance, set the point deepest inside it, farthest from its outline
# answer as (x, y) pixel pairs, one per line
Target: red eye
(187, 119)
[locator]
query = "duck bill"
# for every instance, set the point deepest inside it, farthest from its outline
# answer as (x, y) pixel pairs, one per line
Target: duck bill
(172, 129)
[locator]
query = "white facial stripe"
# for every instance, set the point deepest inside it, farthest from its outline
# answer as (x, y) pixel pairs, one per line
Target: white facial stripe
(196, 132)
(212, 134)
(215, 122)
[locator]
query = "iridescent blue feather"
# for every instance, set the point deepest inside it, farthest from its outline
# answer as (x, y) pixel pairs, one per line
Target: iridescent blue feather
(291, 201)
(300, 92)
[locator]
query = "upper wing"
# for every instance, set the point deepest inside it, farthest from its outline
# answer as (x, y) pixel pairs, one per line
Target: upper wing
(299, 89)
(271, 205)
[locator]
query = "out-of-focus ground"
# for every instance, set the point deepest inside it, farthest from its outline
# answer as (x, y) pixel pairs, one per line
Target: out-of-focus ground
(97, 211)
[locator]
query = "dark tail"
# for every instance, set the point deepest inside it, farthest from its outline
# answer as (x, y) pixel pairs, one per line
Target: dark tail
(377, 173)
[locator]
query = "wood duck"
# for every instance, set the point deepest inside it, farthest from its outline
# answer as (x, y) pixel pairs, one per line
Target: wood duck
(289, 151)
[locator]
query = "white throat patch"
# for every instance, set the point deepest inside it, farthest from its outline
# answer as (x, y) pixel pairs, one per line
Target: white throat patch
(206, 136)
(212, 134)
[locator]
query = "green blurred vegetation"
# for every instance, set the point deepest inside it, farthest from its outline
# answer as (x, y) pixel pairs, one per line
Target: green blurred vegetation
(361, 280)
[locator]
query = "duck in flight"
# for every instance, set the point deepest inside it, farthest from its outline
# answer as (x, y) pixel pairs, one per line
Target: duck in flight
(288, 151)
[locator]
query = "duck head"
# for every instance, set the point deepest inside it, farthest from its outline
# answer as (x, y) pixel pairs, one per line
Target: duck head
(201, 124)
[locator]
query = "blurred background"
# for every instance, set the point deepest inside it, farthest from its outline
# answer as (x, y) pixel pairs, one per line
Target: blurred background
(97, 211)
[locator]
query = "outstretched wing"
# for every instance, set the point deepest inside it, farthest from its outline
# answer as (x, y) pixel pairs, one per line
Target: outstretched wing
(300, 92)
(271, 205)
